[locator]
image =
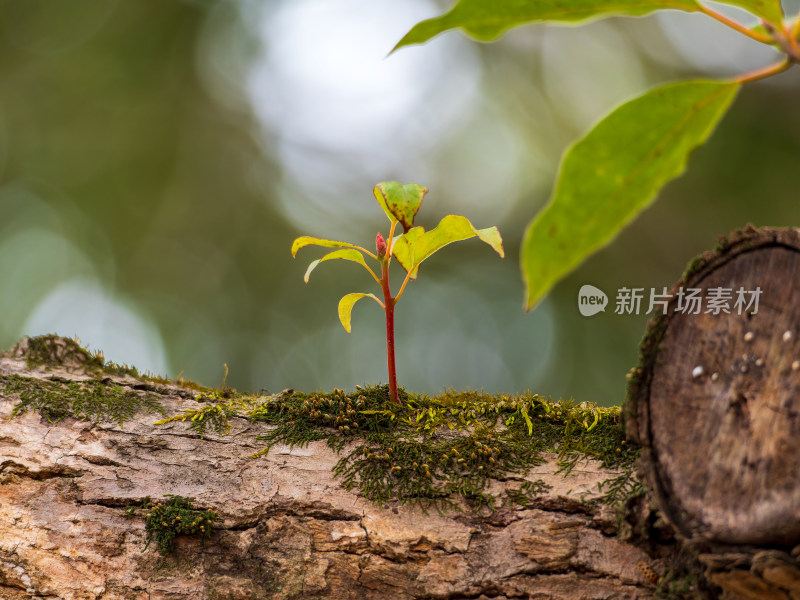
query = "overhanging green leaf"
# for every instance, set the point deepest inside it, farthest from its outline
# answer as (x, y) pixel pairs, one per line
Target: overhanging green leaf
(487, 21)
(346, 307)
(417, 245)
(614, 172)
(400, 202)
(344, 254)
(305, 240)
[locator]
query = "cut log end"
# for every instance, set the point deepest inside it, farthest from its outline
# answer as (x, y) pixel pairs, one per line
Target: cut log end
(715, 399)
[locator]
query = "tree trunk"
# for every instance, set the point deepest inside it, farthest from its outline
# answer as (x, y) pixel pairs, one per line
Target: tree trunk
(287, 528)
(715, 406)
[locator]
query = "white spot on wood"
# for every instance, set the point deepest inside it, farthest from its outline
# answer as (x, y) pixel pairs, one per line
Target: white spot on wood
(714, 376)
(760, 362)
(748, 337)
(787, 335)
(697, 371)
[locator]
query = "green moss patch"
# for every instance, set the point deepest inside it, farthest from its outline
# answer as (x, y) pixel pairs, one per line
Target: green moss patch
(56, 351)
(435, 451)
(55, 399)
(52, 351)
(164, 521)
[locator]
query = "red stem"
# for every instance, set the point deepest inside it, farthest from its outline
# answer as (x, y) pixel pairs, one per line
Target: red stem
(388, 302)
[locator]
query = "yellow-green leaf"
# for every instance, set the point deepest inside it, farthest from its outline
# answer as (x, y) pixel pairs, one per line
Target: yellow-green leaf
(344, 254)
(487, 20)
(614, 172)
(305, 240)
(412, 248)
(402, 250)
(400, 202)
(346, 307)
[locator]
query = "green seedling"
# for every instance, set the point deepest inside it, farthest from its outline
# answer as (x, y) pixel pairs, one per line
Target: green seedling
(411, 248)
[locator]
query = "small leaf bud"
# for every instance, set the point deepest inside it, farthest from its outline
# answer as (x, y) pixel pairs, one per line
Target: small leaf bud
(380, 245)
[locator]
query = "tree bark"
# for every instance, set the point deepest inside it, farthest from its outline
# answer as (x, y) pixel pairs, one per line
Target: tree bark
(715, 405)
(287, 527)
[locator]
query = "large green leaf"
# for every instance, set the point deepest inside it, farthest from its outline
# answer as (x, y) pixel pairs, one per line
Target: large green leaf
(614, 172)
(417, 245)
(344, 254)
(487, 20)
(305, 240)
(346, 307)
(400, 202)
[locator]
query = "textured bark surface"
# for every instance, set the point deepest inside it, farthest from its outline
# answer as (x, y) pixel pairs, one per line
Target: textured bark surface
(716, 406)
(287, 528)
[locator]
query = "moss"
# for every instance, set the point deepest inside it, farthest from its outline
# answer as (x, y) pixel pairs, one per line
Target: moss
(214, 416)
(56, 399)
(53, 351)
(723, 243)
(525, 496)
(336, 417)
(502, 437)
(166, 520)
(694, 266)
(433, 451)
(222, 405)
(120, 370)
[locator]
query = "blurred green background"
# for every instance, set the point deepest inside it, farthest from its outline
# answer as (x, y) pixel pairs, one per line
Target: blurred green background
(157, 158)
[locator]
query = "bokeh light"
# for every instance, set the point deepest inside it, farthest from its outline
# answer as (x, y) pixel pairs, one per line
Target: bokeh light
(343, 115)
